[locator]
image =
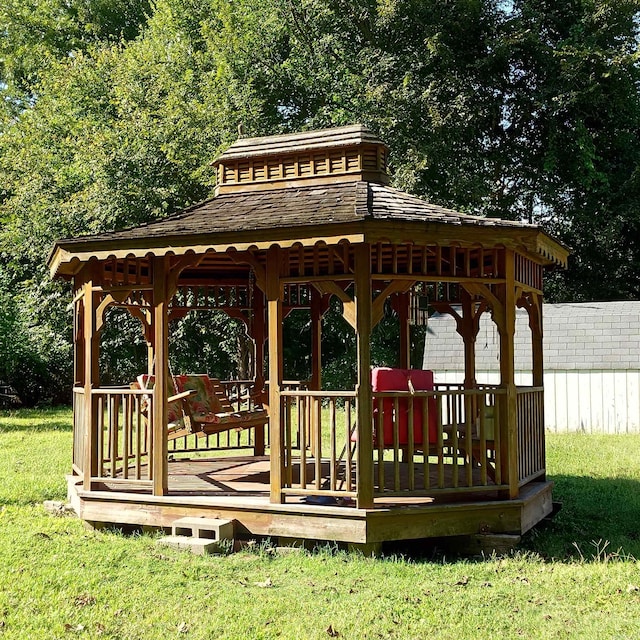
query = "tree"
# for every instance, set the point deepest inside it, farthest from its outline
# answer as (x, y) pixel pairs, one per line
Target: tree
(113, 111)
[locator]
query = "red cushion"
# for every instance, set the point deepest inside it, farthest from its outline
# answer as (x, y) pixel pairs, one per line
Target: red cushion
(388, 379)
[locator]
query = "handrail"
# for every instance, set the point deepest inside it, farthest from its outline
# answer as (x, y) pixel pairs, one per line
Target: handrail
(436, 393)
(317, 394)
(125, 391)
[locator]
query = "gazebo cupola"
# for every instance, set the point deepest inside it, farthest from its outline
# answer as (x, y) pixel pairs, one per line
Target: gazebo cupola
(347, 154)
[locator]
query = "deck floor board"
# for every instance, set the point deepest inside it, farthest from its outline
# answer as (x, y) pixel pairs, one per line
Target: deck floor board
(244, 476)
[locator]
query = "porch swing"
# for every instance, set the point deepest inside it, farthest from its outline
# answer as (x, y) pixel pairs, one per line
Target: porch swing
(198, 404)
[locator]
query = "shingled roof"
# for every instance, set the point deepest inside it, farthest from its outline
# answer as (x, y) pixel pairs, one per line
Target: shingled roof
(286, 188)
(594, 336)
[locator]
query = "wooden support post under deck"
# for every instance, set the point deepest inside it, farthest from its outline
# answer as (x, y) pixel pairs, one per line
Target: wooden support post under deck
(91, 372)
(364, 455)
(161, 355)
(507, 375)
(274, 318)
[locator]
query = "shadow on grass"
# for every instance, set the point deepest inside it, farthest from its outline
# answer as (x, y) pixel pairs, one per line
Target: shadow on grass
(599, 520)
(39, 420)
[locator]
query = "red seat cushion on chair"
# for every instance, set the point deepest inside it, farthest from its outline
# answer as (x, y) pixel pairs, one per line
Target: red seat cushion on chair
(388, 379)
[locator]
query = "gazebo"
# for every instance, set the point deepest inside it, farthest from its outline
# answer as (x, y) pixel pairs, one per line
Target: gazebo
(296, 220)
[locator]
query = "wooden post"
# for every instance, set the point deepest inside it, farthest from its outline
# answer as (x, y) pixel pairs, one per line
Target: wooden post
(364, 453)
(537, 363)
(535, 322)
(316, 340)
(258, 335)
(507, 376)
(403, 301)
(274, 319)
(91, 373)
(469, 330)
(159, 463)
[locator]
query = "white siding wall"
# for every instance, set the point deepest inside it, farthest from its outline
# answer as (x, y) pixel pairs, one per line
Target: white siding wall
(596, 401)
(592, 401)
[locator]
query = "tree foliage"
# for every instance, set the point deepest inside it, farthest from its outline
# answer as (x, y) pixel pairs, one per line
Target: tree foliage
(111, 113)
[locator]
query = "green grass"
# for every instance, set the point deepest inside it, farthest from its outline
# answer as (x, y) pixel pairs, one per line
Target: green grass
(60, 580)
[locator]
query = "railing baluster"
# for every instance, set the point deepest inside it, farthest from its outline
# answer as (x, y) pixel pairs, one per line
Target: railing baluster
(317, 429)
(288, 425)
(302, 431)
(396, 444)
(426, 481)
(348, 430)
(468, 438)
(332, 427)
(440, 443)
(380, 443)
(126, 444)
(410, 447)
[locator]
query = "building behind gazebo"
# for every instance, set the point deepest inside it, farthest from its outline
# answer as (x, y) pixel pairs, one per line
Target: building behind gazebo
(591, 356)
(297, 220)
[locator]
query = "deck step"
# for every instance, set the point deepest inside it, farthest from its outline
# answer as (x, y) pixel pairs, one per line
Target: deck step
(206, 528)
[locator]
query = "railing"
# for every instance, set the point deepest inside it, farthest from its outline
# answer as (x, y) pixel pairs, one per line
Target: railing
(78, 430)
(454, 445)
(530, 423)
(124, 434)
(318, 446)
(460, 428)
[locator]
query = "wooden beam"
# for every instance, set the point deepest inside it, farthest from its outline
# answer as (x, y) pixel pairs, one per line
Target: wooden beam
(364, 454)
(377, 306)
(483, 291)
(176, 266)
(161, 356)
(249, 257)
(274, 319)
(327, 287)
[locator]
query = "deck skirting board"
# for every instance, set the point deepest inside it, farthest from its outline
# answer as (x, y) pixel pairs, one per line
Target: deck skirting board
(258, 517)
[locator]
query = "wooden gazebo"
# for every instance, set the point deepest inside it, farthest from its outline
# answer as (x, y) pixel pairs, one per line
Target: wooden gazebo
(296, 220)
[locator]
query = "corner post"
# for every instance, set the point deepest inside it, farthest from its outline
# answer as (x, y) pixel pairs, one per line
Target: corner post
(91, 374)
(160, 470)
(364, 454)
(507, 373)
(274, 319)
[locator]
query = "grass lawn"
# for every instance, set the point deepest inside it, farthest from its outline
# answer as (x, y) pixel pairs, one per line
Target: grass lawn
(574, 577)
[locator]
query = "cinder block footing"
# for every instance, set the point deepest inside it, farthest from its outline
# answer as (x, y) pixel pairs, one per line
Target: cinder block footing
(211, 528)
(199, 535)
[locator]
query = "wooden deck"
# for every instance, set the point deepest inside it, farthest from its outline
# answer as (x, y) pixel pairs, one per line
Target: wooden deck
(238, 488)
